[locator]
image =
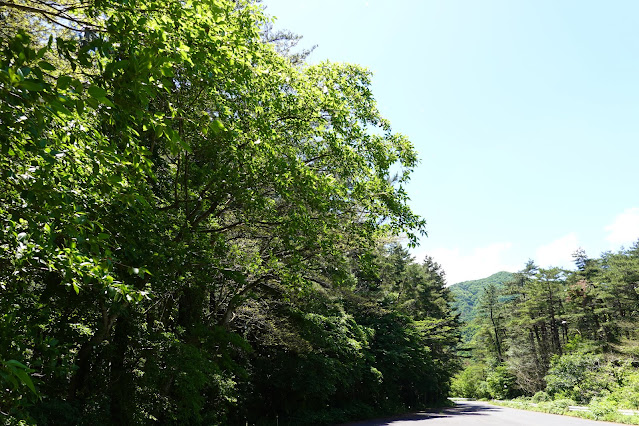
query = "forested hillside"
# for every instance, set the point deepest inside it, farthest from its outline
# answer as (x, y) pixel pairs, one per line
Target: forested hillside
(200, 228)
(568, 336)
(467, 293)
(466, 297)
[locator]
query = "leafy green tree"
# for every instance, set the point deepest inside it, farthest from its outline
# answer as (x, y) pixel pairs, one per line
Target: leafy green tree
(184, 202)
(577, 376)
(490, 311)
(470, 382)
(583, 312)
(618, 296)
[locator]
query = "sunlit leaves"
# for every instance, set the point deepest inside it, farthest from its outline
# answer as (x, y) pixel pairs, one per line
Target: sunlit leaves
(16, 374)
(163, 169)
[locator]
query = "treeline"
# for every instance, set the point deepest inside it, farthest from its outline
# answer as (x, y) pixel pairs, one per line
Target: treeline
(563, 335)
(197, 227)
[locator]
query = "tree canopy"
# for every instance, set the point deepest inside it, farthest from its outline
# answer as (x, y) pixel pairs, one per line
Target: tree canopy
(193, 217)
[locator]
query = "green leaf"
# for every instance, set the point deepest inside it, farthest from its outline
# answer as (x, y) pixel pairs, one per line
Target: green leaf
(63, 82)
(24, 71)
(24, 378)
(96, 92)
(46, 66)
(11, 379)
(42, 51)
(60, 109)
(31, 85)
(93, 103)
(13, 362)
(77, 85)
(106, 101)
(167, 71)
(172, 134)
(217, 126)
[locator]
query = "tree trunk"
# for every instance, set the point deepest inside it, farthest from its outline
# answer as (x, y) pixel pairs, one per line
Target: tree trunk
(121, 390)
(497, 342)
(82, 360)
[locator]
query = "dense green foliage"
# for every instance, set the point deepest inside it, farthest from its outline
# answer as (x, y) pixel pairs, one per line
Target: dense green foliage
(196, 226)
(560, 335)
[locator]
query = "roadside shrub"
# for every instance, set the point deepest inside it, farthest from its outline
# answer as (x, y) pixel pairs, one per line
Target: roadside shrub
(541, 396)
(602, 406)
(560, 406)
(578, 376)
(470, 383)
(627, 395)
(501, 384)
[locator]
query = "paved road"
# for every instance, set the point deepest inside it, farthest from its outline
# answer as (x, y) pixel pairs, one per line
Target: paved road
(473, 413)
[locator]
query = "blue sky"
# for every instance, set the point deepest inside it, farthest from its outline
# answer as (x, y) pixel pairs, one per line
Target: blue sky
(525, 115)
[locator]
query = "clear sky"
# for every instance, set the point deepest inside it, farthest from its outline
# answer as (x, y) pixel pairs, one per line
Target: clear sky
(525, 114)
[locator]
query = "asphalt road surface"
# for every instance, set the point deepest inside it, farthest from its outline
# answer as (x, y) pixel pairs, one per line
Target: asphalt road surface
(473, 413)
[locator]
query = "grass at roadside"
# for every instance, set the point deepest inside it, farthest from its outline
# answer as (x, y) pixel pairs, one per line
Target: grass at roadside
(595, 411)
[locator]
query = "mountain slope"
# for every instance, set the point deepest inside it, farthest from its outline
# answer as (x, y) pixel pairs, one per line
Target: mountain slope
(467, 293)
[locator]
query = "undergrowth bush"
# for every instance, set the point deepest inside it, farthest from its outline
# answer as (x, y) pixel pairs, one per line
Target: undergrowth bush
(602, 406)
(560, 406)
(541, 396)
(470, 383)
(627, 395)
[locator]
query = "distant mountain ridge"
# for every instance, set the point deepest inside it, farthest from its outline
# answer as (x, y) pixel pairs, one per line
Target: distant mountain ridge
(467, 293)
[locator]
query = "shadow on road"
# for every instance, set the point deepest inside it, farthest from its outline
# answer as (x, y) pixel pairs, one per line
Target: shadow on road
(460, 409)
